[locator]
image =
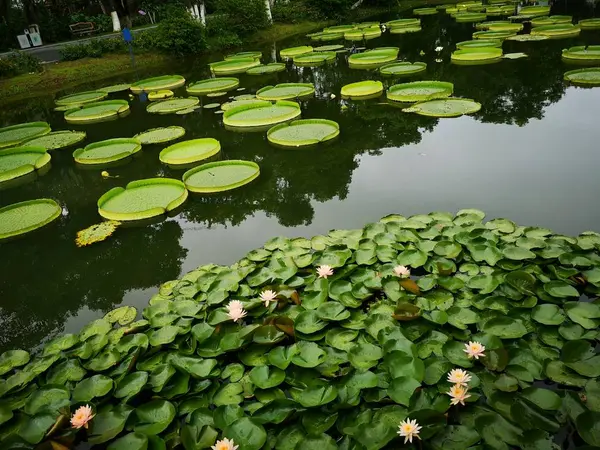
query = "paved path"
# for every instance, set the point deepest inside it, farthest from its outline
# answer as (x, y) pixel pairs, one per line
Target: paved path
(51, 52)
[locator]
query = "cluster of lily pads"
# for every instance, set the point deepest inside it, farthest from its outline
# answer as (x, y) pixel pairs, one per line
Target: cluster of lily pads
(439, 329)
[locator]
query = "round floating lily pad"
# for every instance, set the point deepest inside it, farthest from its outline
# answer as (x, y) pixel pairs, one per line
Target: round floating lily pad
(361, 89)
(339, 28)
(403, 68)
(360, 34)
(295, 51)
(487, 25)
(232, 66)
(516, 55)
(21, 218)
(142, 199)
(477, 43)
(233, 104)
(404, 30)
(15, 134)
(56, 139)
(310, 59)
(585, 77)
(527, 37)
(220, 176)
(590, 24)
(115, 88)
(375, 56)
(18, 161)
(81, 98)
(254, 55)
(535, 11)
(191, 151)
(285, 91)
(550, 20)
(424, 11)
(480, 55)
(211, 105)
(185, 111)
(582, 54)
(564, 30)
(158, 83)
(244, 97)
(266, 69)
(261, 114)
(492, 34)
(172, 105)
(213, 85)
(107, 151)
(216, 94)
(328, 48)
(508, 27)
(160, 135)
(93, 112)
(323, 37)
(160, 95)
(299, 133)
(418, 91)
(366, 25)
(446, 107)
(470, 17)
(403, 23)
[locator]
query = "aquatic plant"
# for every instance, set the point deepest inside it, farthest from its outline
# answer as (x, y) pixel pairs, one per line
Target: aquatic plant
(551, 20)
(172, 105)
(16, 134)
(476, 55)
(115, 88)
(96, 233)
(261, 114)
(160, 95)
(56, 139)
(469, 17)
(565, 30)
(158, 83)
(304, 132)
(477, 43)
(81, 98)
(251, 54)
(424, 11)
(402, 68)
(160, 135)
(191, 151)
(233, 66)
(445, 107)
(314, 59)
(295, 51)
(589, 24)
(220, 176)
(419, 91)
(285, 91)
(584, 77)
(210, 85)
(266, 69)
(19, 161)
(582, 54)
(107, 151)
(97, 112)
(379, 55)
(15, 220)
(362, 89)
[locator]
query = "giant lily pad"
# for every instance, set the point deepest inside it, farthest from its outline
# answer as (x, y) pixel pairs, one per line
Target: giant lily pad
(212, 85)
(220, 176)
(94, 112)
(479, 55)
(16, 134)
(329, 48)
(303, 132)
(295, 51)
(339, 28)
(233, 66)
(589, 24)
(420, 91)
(478, 43)
(584, 77)
(163, 94)
(492, 34)
(403, 68)
(107, 151)
(581, 54)
(21, 218)
(81, 98)
(403, 23)
(424, 11)
(362, 89)
(405, 30)
(375, 56)
(158, 83)
(251, 54)
(312, 59)
(266, 69)
(551, 20)
(364, 33)
(527, 37)
(56, 139)
(160, 135)
(172, 105)
(192, 151)
(115, 88)
(285, 91)
(470, 17)
(565, 30)
(261, 114)
(142, 199)
(447, 107)
(18, 161)
(323, 37)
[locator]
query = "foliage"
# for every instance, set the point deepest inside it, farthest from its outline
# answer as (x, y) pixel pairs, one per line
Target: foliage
(339, 360)
(294, 12)
(19, 62)
(94, 48)
(243, 17)
(180, 36)
(331, 9)
(102, 22)
(96, 233)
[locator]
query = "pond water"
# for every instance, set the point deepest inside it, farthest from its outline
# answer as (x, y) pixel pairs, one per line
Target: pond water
(530, 154)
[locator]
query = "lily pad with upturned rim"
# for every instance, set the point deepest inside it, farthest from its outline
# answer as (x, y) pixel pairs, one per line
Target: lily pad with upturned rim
(160, 135)
(19, 161)
(403, 23)
(367, 88)
(565, 30)
(81, 98)
(94, 112)
(405, 30)
(360, 34)
(115, 88)
(266, 69)
(375, 56)
(582, 54)
(16, 134)
(285, 91)
(23, 217)
(339, 28)
(324, 37)
(328, 48)
(142, 199)
(446, 107)
(234, 103)
(535, 10)
(470, 17)
(306, 132)
(209, 85)
(172, 105)
(417, 91)
(220, 176)
(424, 11)
(233, 66)
(157, 83)
(314, 58)
(551, 20)
(162, 94)
(492, 34)
(589, 24)
(527, 38)
(584, 77)
(107, 151)
(403, 68)
(261, 114)
(477, 43)
(295, 51)
(481, 55)
(252, 54)
(191, 151)
(56, 139)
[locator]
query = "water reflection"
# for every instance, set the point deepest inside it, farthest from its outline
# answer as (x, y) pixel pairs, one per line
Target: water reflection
(384, 161)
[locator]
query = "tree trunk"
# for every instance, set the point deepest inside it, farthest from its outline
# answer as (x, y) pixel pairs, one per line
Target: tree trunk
(202, 12)
(268, 10)
(115, 20)
(357, 4)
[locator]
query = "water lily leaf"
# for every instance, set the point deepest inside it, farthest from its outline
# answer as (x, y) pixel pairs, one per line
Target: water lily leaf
(131, 441)
(341, 339)
(246, 432)
(543, 398)
(268, 334)
(505, 328)
(560, 289)
(92, 387)
(97, 327)
(461, 317)
(309, 322)
(517, 253)
(229, 394)
(576, 350)
(585, 314)
(12, 359)
(281, 357)
(522, 281)
(530, 417)
(275, 411)
(131, 384)
(108, 424)
(548, 314)
(454, 351)
(557, 371)
(401, 389)
(322, 442)
(202, 332)
(412, 258)
(164, 335)
(47, 400)
(455, 437)
(447, 249)
(588, 426)
(69, 370)
(198, 434)
(315, 395)
(35, 428)
(318, 422)
(589, 367)
(308, 354)
(266, 377)
(332, 311)
(154, 417)
(592, 393)
(364, 356)
(485, 283)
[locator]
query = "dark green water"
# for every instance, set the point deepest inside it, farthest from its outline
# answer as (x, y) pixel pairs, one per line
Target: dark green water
(531, 154)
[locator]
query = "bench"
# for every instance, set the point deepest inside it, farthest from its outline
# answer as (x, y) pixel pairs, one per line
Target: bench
(82, 28)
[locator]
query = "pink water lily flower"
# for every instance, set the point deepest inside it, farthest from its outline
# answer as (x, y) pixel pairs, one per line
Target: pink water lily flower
(474, 349)
(409, 429)
(225, 444)
(235, 310)
(82, 416)
(268, 297)
(324, 271)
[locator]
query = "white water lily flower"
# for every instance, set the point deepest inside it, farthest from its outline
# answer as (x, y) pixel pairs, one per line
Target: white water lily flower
(324, 271)
(225, 444)
(439, 49)
(409, 429)
(268, 297)
(402, 271)
(438, 60)
(459, 376)
(235, 310)
(458, 394)
(474, 350)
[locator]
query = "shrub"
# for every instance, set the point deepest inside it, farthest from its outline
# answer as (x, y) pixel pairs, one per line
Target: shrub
(331, 8)
(294, 12)
(102, 22)
(243, 16)
(18, 63)
(179, 35)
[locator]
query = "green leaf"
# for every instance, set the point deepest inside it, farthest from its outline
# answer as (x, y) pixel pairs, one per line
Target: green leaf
(246, 433)
(12, 359)
(308, 355)
(522, 281)
(97, 327)
(461, 317)
(588, 426)
(48, 399)
(268, 334)
(229, 394)
(505, 327)
(401, 389)
(90, 388)
(314, 395)
(364, 356)
(154, 417)
(5, 413)
(455, 437)
(275, 411)
(69, 370)
(543, 398)
(455, 353)
(266, 377)
(332, 311)
(585, 314)
(322, 442)
(164, 335)
(447, 249)
(309, 322)
(108, 424)
(35, 428)
(577, 350)
(340, 338)
(548, 314)
(560, 289)
(588, 368)
(318, 422)
(131, 384)
(123, 315)
(131, 441)
(517, 253)
(202, 332)
(530, 417)
(557, 371)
